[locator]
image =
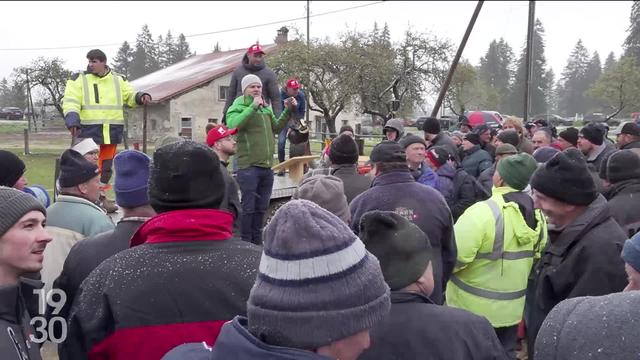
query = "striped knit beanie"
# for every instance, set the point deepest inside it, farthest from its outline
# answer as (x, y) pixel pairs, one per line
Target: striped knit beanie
(317, 283)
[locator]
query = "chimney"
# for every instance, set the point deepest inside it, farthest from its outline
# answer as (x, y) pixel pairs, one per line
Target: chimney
(282, 37)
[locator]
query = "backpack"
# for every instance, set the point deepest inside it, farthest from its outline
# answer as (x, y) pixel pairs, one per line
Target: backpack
(462, 177)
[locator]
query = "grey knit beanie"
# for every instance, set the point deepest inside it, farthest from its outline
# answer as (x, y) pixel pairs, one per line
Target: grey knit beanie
(316, 282)
(326, 191)
(248, 80)
(14, 204)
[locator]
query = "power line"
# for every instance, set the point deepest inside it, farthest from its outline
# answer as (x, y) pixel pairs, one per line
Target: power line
(201, 34)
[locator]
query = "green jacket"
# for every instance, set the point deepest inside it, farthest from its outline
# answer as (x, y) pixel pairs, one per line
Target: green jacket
(256, 131)
(490, 279)
(79, 215)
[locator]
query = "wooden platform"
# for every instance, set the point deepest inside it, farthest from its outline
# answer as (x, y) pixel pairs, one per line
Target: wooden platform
(295, 166)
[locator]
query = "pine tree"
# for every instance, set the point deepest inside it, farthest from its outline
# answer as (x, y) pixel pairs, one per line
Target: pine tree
(162, 59)
(538, 82)
(167, 49)
(610, 62)
(552, 92)
(182, 50)
(632, 42)
(123, 60)
(496, 69)
(593, 73)
(216, 48)
(5, 92)
(145, 60)
(574, 81)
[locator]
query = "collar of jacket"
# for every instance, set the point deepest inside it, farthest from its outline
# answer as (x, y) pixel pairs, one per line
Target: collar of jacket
(630, 186)
(78, 200)
(11, 297)
(393, 177)
(596, 213)
(472, 150)
(596, 152)
(344, 169)
(631, 145)
(185, 225)
(402, 296)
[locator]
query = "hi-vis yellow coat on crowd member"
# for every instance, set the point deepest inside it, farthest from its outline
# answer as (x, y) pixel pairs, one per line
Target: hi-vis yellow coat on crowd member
(496, 251)
(98, 103)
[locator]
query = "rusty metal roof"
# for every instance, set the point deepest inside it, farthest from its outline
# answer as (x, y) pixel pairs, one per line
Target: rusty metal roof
(191, 73)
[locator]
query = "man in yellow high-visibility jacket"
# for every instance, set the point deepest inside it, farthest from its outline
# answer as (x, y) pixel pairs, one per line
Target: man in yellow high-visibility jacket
(93, 108)
(498, 240)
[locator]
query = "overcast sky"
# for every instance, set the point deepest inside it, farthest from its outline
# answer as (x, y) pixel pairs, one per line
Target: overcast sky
(601, 25)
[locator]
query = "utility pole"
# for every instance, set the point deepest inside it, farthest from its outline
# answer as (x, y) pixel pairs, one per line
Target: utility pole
(454, 64)
(30, 117)
(306, 93)
(529, 57)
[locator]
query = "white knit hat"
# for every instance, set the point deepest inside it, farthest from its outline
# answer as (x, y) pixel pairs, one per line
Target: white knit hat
(85, 146)
(248, 80)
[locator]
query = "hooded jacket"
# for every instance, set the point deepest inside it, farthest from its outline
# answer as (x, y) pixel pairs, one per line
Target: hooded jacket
(582, 259)
(476, 161)
(256, 128)
(416, 328)
(445, 141)
(498, 241)
(354, 183)
(183, 278)
(397, 191)
(624, 206)
(269, 85)
(15, 343)
(237, 343)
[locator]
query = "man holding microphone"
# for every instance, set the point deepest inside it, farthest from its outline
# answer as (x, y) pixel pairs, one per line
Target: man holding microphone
(257, 126)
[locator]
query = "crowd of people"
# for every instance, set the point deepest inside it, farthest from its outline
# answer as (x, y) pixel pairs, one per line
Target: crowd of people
(475, 243)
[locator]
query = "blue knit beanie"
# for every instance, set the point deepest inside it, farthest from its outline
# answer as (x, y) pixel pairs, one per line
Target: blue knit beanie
(131, 183)
(631, 252)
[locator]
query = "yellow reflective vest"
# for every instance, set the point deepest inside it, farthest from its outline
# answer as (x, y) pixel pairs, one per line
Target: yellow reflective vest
(496, 251)
(98, 101)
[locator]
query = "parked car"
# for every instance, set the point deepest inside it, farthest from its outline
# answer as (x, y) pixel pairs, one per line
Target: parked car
(11, 113)
(491, 118)
(595, 117)
(553, 119)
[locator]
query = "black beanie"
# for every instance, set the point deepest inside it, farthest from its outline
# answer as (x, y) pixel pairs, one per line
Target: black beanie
(387, 151)
(411, 139)
(11, 168)
(593, 133)
(509, 136)
(343, 150)
(75, 169)
(619, 166)
(473, 138)
(565, 177)
(570, 135)
(431, 126)
(185, 175)
(346, 128)
(402, 249)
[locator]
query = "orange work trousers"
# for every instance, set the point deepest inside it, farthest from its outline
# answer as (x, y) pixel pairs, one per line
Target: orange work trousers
(105, 164)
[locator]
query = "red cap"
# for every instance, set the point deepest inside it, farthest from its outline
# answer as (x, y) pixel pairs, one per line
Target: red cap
(255, 49)
(293, 84)
(218, 133)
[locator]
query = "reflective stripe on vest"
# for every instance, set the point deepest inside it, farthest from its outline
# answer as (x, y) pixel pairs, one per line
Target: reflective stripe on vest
(118, 94)
(498, 251)
(487, 294)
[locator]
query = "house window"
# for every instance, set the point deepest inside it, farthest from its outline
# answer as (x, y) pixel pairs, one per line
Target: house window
(213, 121)
(185, 127)
(223, 92)
(154, 124)
(345, 122)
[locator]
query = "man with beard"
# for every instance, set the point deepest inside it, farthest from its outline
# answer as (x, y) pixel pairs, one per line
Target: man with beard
(223, 143)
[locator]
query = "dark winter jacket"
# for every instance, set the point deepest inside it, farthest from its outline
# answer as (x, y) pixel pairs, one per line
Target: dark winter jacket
(231, 199)
(490, 149)
(416, 328)
(445, 174)
(525, 145)
(465, 193)
(269, 85)
(425, 176)
(486, 178)
(181, 281)
(583, 259)
(445, 141)
(595, 328)
(15, 343)
(631, 145)
(237, 343)
(424, 206)
(354, 183)
(87, 254)
(476, 161)
(624, 205)
(595, 159)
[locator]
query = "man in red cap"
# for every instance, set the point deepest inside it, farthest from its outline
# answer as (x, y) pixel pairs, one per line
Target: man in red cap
(253, 63)
(223, 143)
(292, 89)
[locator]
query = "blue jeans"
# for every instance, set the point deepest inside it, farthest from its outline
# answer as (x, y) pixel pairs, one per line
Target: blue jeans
(255, 184)
(282, 143)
